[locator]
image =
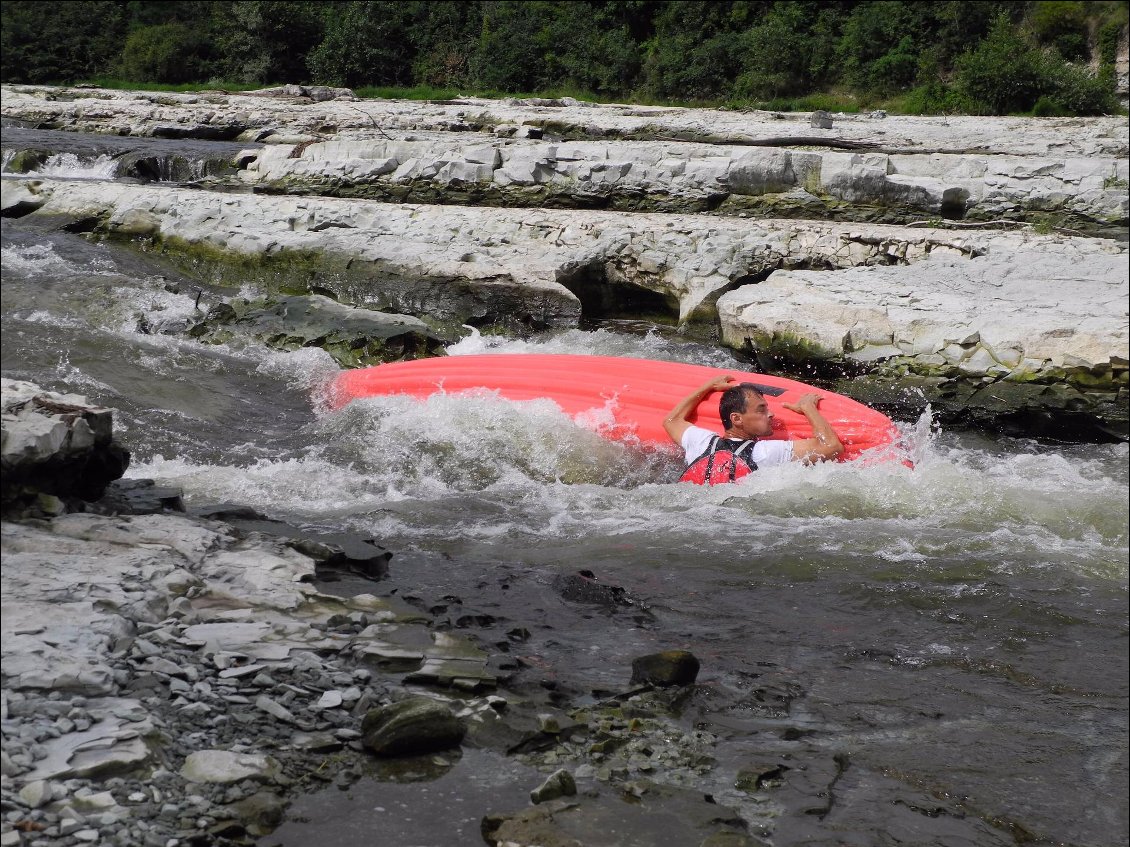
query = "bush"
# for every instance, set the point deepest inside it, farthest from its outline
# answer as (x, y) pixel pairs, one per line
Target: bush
(1076, 92)
(1047, 107)
(1003, 74)
(1061, 24)
(169, 53)
(935, 98)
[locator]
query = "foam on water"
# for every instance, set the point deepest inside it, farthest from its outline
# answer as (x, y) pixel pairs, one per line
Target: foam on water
(486, 469)
(72, 166)
(599, 342)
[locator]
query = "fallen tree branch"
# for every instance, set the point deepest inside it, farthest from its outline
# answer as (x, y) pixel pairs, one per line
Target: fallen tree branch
(373, 121)
(946, 224)
(796, 141)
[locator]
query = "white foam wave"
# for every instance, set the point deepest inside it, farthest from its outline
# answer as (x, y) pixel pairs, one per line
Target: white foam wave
(485, 470)
(73, 166)
(600, 342)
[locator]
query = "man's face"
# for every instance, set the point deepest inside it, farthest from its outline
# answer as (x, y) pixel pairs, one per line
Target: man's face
(756, 420)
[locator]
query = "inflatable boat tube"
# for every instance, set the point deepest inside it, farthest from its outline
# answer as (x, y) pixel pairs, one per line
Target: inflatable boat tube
(635, 393)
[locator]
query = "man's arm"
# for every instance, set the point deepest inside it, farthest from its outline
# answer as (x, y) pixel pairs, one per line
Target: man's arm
(824, 444)
(676, 422)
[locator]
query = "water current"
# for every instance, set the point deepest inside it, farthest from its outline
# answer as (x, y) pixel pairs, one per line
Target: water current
(959, 628)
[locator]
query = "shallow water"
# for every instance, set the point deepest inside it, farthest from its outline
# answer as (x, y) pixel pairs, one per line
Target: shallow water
(956, 630)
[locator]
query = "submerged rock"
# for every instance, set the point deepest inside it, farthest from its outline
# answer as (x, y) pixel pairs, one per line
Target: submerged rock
(560, 783)
(671, 667)
(411, 726)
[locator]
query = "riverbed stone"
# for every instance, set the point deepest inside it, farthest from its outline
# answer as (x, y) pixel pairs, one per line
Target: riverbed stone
(560, 783)
(55, 444)
(225, 766)
(670, 667)
(411, 726)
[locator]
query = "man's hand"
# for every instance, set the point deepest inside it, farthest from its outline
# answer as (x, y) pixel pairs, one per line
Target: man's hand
(824, 444)
(677, 421)
(810, 401)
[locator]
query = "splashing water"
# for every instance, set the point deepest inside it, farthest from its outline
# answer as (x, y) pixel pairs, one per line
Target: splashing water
(73, 166)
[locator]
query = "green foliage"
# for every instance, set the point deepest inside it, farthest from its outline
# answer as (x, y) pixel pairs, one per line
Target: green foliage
(692, 53)
(1108, 40)
(1061, 24)
(170, 53)
(934, 98)
(365, 42)
(1004, 74)
(267, 41)
(58, 42)
(994, 56)
(1074, 91)
(778, 56)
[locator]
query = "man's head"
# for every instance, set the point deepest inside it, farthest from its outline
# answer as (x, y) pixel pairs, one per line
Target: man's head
(745, 412)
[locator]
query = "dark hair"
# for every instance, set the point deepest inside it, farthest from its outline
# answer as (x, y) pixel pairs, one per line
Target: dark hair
(734, 400)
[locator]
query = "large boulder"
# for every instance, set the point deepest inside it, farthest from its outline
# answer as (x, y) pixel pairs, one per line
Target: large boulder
(55, 444)
(351, 335)
(411, 726)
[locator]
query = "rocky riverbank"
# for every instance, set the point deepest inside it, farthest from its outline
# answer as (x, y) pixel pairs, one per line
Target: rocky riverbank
(176, 679)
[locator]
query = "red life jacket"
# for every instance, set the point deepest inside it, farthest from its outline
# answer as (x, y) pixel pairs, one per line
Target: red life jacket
(722, 462)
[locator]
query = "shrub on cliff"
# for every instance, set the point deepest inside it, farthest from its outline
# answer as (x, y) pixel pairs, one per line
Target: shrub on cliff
(1005, 74)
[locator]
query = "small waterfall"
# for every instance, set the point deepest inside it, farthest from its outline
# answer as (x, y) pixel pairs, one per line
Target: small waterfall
(73, 166)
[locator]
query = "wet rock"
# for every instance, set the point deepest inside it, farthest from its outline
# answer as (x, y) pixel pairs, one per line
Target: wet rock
(410, 726)
(671, 667)
(560, 783)
(260, 813)
(339, 551)
(585, 587)
(760, 777)
(646, 813)
(225, 766)
(138, 497)
(353, 336)
(19, 199)
(55, 444)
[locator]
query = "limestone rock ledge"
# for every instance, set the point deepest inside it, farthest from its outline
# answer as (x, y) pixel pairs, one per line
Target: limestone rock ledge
(894, 169)
(965, 312)
(664, 176)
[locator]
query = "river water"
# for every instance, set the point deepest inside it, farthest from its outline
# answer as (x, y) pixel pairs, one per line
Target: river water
(955, 631)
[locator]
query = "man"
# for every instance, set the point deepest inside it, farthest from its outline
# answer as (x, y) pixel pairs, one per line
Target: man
(746, 418)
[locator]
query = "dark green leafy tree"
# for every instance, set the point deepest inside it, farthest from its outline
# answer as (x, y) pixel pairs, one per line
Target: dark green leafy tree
(1004, 73)
(365, 43)
(445, 35)
(510, 52)
(44, 42)
(265, 41)
(786, 52)
(695, 50)
(1062, 25)
(168, 53)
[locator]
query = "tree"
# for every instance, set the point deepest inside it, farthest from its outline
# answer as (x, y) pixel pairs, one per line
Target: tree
(365, 43)
(166, 53)
(42, 42)
(264, 41)
(1003, 73)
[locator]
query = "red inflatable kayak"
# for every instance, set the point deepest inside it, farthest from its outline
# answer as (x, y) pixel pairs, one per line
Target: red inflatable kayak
(637, 393)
